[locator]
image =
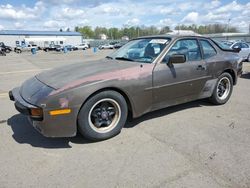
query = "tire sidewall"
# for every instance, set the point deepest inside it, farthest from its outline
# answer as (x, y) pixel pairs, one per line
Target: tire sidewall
(215, 97)
(83, 124)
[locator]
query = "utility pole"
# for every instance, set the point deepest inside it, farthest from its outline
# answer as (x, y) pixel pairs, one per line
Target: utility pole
(228, 25)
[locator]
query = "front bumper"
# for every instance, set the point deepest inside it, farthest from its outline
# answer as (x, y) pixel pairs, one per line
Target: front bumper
(49, 126)
(21, 105)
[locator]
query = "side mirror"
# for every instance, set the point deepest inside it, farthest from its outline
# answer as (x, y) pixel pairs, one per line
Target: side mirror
(236, 48)
(177, 58)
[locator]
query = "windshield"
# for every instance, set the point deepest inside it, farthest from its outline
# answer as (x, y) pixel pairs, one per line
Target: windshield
(141, 50)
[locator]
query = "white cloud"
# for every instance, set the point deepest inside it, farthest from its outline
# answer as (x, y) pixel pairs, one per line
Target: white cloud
(110, 10)
(70, 13)
(56, 2)
(8, 12)
(1, 27)
(166, 10)
(19, 25)
(234, 6)
(21, 13)
(213, 17)
(214, 4)
(166, 22)
(133, 22)
(191, 17)
(52, 24)
(84, 22)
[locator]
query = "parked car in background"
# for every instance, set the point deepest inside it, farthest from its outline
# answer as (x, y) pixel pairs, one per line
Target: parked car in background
(83, 46)
(70, 47)
(106, 46)
(6, 49)
(57, 48)
(2, 53)
(119, 44)
(53, 47)
(28, 48)
(242, 47)
(95, 97)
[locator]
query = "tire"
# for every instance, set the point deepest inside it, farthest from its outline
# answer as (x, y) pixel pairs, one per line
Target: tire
(102, 116)
(7, 51)
(18, 51)
(222, 90)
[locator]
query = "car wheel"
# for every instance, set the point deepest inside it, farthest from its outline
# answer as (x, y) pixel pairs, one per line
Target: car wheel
(7, 51)
(103, 116)
(223, 89)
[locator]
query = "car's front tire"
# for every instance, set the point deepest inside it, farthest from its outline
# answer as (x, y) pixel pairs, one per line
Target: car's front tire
(223, 89)
(103, 116)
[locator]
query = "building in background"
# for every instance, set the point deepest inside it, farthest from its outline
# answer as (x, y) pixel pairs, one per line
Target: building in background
(41, 38)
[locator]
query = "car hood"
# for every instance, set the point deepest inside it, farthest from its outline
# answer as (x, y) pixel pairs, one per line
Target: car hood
(86, 72)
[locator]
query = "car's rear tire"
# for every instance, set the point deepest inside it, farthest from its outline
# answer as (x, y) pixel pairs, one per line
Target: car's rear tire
(102, 116)
(223, 89)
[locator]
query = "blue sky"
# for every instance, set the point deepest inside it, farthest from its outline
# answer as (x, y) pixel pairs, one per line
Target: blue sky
(56, 14)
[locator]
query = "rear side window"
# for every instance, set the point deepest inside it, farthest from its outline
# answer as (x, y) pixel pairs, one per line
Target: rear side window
(208, 49)
(244, 45)
(236, 45)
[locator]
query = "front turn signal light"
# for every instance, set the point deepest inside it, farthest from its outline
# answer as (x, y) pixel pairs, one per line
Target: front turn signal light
(36, 112)
(60, 112)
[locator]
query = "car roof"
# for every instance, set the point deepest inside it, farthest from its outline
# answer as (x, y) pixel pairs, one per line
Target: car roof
(172, 36)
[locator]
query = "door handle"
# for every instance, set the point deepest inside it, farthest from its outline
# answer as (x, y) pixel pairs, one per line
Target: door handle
(200, 67)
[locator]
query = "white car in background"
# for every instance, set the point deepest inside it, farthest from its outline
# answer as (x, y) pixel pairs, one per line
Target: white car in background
(243, 47)
(83, 46)
(106, 46)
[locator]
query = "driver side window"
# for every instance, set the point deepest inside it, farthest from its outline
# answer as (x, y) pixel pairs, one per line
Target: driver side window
(187, 47)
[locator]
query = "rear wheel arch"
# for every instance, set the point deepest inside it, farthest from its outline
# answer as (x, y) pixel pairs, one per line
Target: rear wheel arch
(232, 73)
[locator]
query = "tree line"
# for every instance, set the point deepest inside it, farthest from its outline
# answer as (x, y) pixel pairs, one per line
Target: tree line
(137, 31)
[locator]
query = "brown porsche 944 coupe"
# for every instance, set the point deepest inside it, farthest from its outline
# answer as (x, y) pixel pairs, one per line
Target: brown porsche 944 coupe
(146, 74)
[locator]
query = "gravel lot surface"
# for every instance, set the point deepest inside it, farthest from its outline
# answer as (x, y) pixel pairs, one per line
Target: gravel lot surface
(190, 145)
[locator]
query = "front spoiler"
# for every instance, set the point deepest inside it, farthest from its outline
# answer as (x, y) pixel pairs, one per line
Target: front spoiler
(21, 105)
(56, 126)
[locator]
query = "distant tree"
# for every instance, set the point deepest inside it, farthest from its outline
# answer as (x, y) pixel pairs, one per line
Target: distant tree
(87, 31)
(165, 30)
(137, 31)
(208, 29)
(61, 30)
(68, 29)
(76, 29)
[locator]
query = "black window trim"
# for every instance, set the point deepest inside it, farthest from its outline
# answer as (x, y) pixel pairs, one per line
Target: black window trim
(207, 40)
(187, 38)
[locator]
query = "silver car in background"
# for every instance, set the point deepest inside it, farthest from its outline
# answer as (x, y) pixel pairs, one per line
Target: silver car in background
(243, 47)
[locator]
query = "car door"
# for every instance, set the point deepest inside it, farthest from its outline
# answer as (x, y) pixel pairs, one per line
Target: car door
(178, 83)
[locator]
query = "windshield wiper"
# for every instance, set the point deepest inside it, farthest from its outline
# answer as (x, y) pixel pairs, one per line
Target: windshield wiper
(124, 58)
(109, 57)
